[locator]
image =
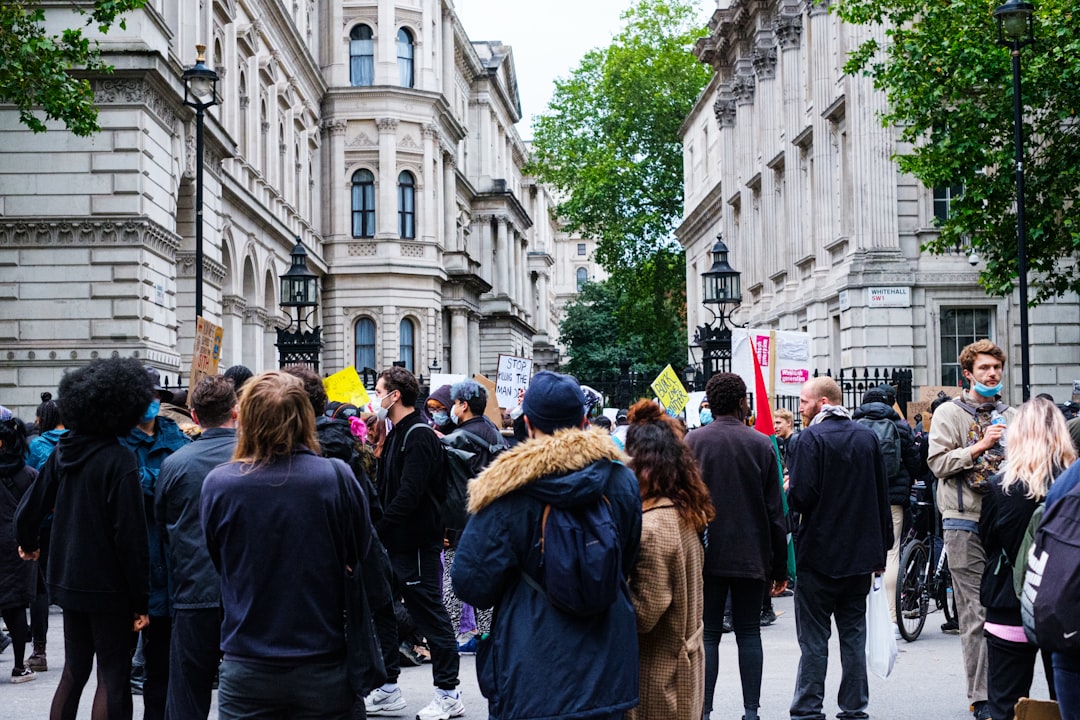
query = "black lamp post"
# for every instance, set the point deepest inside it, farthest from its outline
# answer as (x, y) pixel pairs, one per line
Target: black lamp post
(300, 290)
(1016, 28)
(200, 92)
(689, 375)
(722, 295)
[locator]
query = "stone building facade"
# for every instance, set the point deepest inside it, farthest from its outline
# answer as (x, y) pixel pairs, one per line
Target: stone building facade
(376, 133)
(786, 159)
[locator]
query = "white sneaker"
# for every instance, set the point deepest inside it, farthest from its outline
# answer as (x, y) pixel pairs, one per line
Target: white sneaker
(381, 702)
(442, 707)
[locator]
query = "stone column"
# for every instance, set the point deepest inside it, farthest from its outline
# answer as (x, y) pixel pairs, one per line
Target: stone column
(502, 259)
(232, 322)
(429, 135)
(386, 225)
(386, 71)
(256, 332)
(474, 344)
(459, 341)
(487, 249)
(450, 229)
(825, 176)
(336, 210)
(789, 36)
(448, 64)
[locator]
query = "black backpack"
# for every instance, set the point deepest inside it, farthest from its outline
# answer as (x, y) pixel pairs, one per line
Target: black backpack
(452, 498)
(1050, 603)
(889, 441)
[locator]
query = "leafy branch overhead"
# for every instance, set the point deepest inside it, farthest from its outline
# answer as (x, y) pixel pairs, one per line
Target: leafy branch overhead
(609, 139)
(36, 72)
(950, 92)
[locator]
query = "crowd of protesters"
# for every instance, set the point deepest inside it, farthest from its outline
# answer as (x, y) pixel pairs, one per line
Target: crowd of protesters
(293, 553)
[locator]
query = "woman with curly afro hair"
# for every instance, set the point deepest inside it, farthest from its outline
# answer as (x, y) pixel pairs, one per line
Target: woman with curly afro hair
(99, 563)
(666, 583)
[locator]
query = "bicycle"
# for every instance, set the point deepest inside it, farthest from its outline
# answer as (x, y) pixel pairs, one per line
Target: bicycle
(922, 577)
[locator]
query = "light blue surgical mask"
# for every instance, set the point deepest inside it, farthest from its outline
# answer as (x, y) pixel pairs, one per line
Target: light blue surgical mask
(453, 415)
(705, 416)
(985, 390)
(152, 411)
(440, 417)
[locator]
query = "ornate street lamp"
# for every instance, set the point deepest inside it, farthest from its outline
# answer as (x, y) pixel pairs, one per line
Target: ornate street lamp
(200, 92)
(1016, 28)
(722, 295)
(300, 290)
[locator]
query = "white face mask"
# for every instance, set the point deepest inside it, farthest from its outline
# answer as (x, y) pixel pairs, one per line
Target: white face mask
(381, 412)
(453, 414)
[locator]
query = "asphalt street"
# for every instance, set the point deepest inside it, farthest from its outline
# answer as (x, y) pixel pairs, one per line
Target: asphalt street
(928, 681)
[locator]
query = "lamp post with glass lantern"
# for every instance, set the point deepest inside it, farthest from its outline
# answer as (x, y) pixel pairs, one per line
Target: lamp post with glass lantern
(200, 92)
(300, 290)
(722, 295)
(1016, 28)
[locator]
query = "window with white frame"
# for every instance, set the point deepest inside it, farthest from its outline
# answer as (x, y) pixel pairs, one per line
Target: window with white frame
(405, 52)
(581, 249)
(361, 56)
(406, 205)
(943, 198)
(961, 326)
(406, 344)
(582, 278)
(363, 204)
(365, 344)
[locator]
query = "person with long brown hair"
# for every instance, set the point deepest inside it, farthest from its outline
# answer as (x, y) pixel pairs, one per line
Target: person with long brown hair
(666, 583)
(274, 520)
(1038, 450)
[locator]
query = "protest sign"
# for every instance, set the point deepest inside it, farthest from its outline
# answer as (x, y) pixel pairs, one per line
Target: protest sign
(669, 389)
(207, 354)
(514, 375)
(345, 386)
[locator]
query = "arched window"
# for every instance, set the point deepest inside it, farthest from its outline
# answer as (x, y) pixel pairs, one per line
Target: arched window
(582, 278)
(365, 344)
(361, 56)
(405, 57)
(363, 204)
(406, 345)
(406, 205)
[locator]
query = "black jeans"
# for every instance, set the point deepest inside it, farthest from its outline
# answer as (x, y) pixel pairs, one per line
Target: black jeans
(818, 599)
(1010, 668)
(109, 637)
(15, 618)
(250, 691)
(194, 654)
(156, 641)
(746, 619)
(418, 579)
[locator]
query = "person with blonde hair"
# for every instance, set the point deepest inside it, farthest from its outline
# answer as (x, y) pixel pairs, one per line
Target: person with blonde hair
(282, 634)
(667, 583)
(1038, 450)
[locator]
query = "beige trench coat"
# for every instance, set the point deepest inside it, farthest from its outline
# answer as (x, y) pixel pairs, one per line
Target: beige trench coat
(667, 592)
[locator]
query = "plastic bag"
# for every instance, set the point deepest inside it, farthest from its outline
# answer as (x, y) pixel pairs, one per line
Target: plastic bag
(880, 638)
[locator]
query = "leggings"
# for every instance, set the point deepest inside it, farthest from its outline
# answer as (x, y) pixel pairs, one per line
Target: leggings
(746, 617)
(16, 622)
(109, 636)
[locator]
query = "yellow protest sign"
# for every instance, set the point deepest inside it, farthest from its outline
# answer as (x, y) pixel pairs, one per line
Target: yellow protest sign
(207, 353)
(669, 389)
(345, 386)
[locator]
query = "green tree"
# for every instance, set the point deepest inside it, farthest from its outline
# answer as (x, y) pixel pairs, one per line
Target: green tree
(609, 139)
(35, 74)
(949, 87)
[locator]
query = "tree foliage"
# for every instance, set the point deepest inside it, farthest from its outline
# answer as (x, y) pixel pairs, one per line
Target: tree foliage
(609, 139)
(637, 316)
(35, 74)
(950, 91)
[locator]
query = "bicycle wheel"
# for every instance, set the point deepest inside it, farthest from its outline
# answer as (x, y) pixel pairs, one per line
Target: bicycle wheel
(912, 600)
(949, 606)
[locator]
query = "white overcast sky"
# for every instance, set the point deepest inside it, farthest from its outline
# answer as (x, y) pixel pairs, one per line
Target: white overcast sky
(548, 38)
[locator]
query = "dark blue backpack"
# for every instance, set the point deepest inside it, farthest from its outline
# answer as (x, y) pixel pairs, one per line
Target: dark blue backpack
(1051, 592)
(580, 558)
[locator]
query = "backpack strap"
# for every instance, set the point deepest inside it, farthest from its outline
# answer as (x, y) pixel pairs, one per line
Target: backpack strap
(409, 432)
(10, 485)
(475, 439)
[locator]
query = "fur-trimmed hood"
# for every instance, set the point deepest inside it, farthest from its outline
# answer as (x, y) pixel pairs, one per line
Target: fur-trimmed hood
(567, 468)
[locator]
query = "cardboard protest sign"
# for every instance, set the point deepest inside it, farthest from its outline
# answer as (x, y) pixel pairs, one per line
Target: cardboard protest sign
(346, 386)
(207, 354)
(514, 375)
(669, 389)
(492, 410)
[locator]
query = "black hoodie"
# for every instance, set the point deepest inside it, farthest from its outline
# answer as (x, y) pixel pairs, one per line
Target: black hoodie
(99, 561)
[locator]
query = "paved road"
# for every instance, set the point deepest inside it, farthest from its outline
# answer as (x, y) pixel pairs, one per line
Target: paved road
(927, 682)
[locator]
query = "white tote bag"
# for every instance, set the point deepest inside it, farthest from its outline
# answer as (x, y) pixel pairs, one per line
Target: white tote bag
(880, 638)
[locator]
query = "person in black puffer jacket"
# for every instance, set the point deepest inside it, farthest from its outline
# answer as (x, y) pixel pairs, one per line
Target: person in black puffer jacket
(17, 577)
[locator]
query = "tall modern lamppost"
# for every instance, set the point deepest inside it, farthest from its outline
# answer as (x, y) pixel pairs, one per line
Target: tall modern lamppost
(722, 295)
(300, 290)
(1016, 28)
(200, 92)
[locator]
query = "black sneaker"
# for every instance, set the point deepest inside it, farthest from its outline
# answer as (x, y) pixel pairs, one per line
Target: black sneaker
(138, 677)
(768, 617)
(950, 628)
(22, 674)
(981, 710)
(727, 627)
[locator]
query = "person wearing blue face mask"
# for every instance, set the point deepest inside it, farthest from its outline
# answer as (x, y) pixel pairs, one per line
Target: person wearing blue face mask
(965, 450)
(705, 413)
(155, 438)
(438, 406)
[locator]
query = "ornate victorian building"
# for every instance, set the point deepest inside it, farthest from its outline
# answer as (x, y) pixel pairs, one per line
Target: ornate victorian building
(786, 159)
(375, 132)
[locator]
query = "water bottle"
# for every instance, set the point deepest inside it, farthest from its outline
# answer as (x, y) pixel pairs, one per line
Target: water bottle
(997, 418)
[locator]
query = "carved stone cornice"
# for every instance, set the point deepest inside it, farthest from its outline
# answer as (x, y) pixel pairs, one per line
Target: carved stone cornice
(233, 305)
(135, 91)
(333, 127)
(429, 130)
(118, 231)
(724, 108)
(789, 31)
(742, 87)
(764, 61)
(254, 315)
(386, 125)
(212, 269)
